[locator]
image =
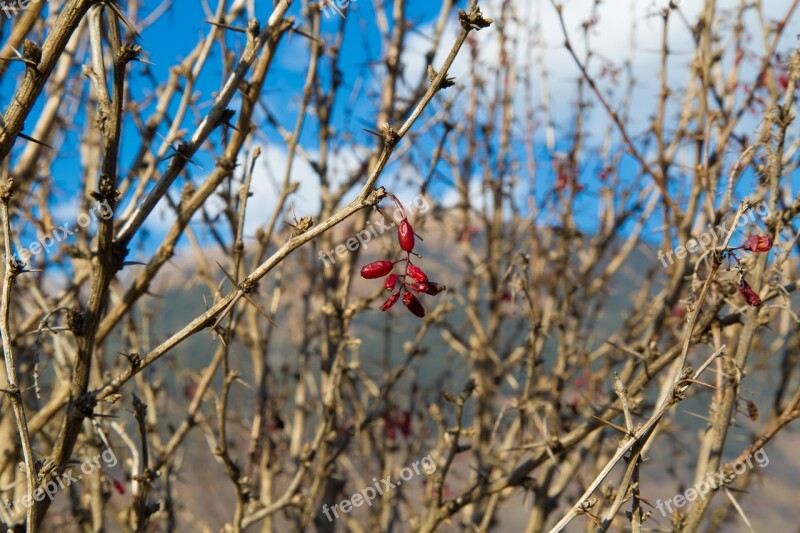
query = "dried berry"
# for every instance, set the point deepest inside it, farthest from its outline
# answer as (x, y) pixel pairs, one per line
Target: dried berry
(752, 410)
(413, 304)
(376, 269)
(390, 301)
(434, 288)
(416, 273)
(758, 243)
(750, 296)
(428, 287)
(405, 235)
(391, 282)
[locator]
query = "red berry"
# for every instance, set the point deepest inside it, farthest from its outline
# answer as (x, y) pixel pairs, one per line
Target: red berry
(391, 301)
(758, 243)
(416, 273)
(390, 434)
(428, 287)
(405, 235)
(119, 487)
(376, 269)
(405, 423)
(413, 304)
(390, 282)
(750, 296)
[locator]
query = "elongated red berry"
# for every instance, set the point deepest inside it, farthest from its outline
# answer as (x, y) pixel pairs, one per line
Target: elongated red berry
(750, 296)
(416, 273)
(758, 243)
(376, 269)
(413, 304)
(405, 235)
(428, 287)
(391, 282)
(418, 287)
(390, 301)
(118, 486)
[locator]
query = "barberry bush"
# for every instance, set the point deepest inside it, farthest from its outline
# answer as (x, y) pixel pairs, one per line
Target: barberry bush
(210, 211)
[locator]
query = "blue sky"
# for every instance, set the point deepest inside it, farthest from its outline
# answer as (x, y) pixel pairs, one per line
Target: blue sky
(171, 38)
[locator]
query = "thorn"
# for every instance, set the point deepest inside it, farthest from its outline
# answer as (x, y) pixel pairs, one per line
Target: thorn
(247, 385)
(375, 133)
(612, 425)
(221, 338)
(21, 59)
(260, 310)
(295, 29)
(224, 313)
(702, 383)
(701, 417)
(645, 500)
(245, 295)
(31, 139)
(228, 124)
(625, 349)
(227, 275)
(177, 152)
(122, 17)
(227, 27)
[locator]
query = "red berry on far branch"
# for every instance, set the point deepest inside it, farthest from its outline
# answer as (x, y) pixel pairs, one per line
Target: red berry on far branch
(405, 235)
(119, 487)
(391, 282)
(413, 304)
(417, 274)
(750, 296)
(376, 269)
(758, 243)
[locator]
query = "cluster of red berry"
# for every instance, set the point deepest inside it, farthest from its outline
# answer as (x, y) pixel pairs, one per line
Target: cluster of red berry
(756, 244)
(395, 421)
(420, 283)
